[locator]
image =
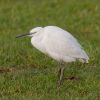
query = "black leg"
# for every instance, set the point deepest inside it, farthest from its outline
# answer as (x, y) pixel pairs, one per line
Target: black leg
(59, 72)
(61, 75)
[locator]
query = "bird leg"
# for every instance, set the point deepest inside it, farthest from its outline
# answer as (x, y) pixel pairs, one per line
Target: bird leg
(60, 75)
(59, 72)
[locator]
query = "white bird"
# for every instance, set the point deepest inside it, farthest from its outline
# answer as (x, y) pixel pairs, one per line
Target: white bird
(58, 44)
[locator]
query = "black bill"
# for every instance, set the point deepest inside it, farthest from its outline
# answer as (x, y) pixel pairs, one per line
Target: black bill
(22, 35)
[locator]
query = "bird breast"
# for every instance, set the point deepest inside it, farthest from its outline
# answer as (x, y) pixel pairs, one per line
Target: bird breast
(37, 42)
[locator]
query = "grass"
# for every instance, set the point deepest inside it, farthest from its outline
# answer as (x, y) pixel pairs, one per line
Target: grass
(29, 74)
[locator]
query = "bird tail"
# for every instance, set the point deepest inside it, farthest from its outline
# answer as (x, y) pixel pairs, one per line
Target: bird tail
(83, 60)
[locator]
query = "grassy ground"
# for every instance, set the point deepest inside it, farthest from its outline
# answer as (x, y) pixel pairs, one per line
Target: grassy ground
(27, 74)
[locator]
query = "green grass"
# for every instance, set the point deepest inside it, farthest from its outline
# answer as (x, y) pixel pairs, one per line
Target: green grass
(33, 75)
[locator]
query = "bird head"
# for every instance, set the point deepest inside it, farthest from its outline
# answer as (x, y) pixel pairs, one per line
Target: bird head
(31, 32)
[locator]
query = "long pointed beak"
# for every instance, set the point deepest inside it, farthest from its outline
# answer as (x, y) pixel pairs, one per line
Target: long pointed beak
(22, 35)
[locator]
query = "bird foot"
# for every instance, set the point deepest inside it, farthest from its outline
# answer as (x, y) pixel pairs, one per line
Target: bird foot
(71, 78)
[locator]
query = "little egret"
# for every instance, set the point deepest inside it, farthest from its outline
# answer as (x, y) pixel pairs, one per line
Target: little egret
(58, 44)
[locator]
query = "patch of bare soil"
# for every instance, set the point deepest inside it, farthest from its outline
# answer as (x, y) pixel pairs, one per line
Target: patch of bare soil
(5, 70)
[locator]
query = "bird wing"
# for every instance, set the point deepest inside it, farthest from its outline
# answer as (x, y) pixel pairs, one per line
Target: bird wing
(62, 43)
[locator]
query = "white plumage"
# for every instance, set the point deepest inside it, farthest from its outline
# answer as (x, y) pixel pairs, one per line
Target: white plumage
(58, 44)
